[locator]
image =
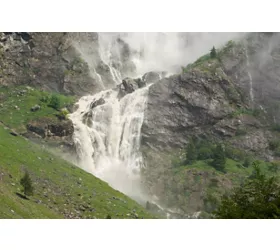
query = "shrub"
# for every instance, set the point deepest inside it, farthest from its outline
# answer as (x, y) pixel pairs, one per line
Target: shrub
(55, 102)
(257, 198)
(26, 182)
(63, 114)
(191, 154)
(276, 127)
(273, 167)
(273, 145)
(205, 153)
(219, 158)
(246, 163)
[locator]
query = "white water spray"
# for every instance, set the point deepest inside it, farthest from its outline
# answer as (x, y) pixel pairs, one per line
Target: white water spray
(108, 129)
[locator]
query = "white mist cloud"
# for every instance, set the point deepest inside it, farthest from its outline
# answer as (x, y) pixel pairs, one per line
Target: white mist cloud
(170, 51)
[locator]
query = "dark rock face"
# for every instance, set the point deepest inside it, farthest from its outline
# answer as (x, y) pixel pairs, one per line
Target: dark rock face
(201, 101)
(180, 106)
(46, 128)
(153, 77)
(38, 59)
(129, 85)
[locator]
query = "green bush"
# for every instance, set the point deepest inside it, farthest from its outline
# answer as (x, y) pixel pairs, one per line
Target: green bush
(26, 182)
(191, 152)
(247, 163)
(63, 114)
(273, 145)
(205, 153)
(219, 158)
(55, 102)
(273, 167)
(257, 198)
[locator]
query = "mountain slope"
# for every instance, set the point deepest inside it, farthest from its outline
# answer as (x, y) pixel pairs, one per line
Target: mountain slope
(62, 190)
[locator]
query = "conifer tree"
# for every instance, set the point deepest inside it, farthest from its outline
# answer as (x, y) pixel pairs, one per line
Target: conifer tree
(26, 182)
(213, 53)
(219, 158)
(191, 154)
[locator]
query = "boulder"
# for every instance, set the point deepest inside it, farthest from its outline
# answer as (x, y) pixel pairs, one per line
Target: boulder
(35, 108)
(151, 77)
(96, 103)
(129, 85)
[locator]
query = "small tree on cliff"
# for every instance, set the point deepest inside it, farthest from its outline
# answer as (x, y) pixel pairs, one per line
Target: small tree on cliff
(219, 158)
(26, 182)
(213, 53)
(191, 152)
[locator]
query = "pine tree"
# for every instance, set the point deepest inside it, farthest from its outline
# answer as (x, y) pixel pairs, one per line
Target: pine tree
(246, 163)
(219, 158)
(213, 53)
(26, 182)
(191, 154)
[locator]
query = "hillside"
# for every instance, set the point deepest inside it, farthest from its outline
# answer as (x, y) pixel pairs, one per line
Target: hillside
(62, 190)
(227, 100)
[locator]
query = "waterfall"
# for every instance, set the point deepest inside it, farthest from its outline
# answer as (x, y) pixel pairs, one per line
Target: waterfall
(107, 128)
(250, 76)
(108, 137)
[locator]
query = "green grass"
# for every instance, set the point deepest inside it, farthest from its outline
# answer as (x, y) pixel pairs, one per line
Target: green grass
(60, 188)
(17, 118)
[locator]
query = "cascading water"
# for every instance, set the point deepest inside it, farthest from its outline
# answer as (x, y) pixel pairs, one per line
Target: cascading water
(107, 131)
(250, 76)
(108, 137)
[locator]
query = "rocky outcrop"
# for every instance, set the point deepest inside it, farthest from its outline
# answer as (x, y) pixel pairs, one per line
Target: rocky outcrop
(129, 85)
(189, 103)
(44, 60)
(213, 97)
(56, 133)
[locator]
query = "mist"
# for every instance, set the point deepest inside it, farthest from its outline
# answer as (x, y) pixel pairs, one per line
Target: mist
(168, 51)
(110, 143)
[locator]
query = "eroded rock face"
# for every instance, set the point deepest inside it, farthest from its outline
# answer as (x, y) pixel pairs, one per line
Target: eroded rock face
(45, 60)
(182, 105)
(47, 128)
(129, 85)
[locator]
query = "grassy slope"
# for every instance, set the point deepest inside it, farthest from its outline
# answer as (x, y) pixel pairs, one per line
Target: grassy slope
(18, 118)
(61, 189)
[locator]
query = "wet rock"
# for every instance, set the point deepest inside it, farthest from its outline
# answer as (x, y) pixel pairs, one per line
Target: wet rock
(129, 85)
(96, 103)
(151, 77)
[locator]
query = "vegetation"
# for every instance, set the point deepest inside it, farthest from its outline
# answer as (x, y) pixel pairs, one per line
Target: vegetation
(191, 152)
(219, 158)
(26, 183)
(61, 190)
(15, 108)
(55, 102)
(63, 114)
(257, 198)
(213, 53)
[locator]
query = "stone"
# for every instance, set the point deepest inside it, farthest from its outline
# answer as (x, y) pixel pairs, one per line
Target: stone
(96, 103)
(151, 77)
(14, 133)
(35, 108)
